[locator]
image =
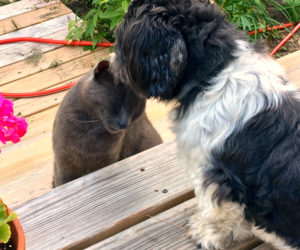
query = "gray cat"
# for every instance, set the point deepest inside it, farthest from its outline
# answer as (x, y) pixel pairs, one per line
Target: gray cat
(99, 122)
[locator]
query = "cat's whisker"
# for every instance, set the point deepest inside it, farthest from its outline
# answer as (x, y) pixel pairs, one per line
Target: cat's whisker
(92, 121)
(90, 133)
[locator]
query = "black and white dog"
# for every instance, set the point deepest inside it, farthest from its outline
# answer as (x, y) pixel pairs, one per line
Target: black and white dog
(237, 121)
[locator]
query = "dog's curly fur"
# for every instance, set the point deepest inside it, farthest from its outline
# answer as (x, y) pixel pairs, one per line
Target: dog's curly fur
(237, 121)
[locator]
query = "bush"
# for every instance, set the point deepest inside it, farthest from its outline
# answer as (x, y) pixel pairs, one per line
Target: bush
(103, 17)
(255, 14)
(99, 22)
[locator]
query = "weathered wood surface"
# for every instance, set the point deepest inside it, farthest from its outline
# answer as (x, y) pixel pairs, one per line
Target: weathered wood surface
(107, 201)
(22, 6)
(56, 75)
(291, 63)
(26, 185)
(50, 59)
(33, 17)
(55, 28)
(36, 151)
(167, 230)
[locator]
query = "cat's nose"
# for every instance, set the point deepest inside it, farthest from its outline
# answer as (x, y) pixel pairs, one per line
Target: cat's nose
(123, 119)
(123, 124)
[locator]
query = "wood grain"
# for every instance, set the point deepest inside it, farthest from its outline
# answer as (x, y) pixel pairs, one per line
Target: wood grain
(22, 6)
(106, 202)
(291, 63)
(19, 158)
(167, 230)
(55, 28)
(50, 59)
(290, 60)
(53, 76)
(38, 139)
(29, 184)
(38, 124)
(33, 17)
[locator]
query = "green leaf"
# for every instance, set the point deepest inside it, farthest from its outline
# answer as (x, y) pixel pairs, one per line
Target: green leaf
(246, 23)
(124, 5)
(89, 14)
(98, 1)
(12, 216)
(115, 22)
(5, 233)
(111, 14)
(90, 28)
(95, 19)
(3, 214)
(97, 39)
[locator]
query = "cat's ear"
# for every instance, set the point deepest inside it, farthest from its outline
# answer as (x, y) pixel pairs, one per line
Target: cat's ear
(101, 66)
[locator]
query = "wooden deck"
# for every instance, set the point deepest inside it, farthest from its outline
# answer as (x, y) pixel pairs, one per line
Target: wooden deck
(142, 202)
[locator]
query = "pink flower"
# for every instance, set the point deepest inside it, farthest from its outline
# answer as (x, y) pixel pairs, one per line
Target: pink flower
(11, 128)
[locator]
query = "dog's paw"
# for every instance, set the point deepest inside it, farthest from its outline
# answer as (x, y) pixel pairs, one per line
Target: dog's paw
(209, 236)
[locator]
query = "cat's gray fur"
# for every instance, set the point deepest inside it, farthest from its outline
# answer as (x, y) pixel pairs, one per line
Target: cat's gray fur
(98, 123)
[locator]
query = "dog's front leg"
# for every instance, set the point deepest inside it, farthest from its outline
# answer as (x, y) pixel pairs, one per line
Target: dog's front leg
(214, 226)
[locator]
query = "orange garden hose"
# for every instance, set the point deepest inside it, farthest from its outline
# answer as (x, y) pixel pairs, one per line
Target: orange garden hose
(53, 41)
(285, 39)
(277, 27)
(108, 44)
(38, 93)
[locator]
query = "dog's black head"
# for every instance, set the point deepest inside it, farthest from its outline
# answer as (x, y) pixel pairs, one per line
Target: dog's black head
(164, 46)
(150, 50)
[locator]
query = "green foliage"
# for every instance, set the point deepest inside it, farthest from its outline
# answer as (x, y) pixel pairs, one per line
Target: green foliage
(255, 14)
(5, 232)
(99, 22)
(104, 16)
(290, 9)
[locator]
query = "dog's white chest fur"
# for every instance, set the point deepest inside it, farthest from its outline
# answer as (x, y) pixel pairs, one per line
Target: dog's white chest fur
(237, 94)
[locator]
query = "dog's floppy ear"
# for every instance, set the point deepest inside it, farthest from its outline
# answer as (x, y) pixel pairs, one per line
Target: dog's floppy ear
(152, 50)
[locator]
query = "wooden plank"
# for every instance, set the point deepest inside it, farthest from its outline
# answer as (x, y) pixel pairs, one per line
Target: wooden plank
(50, 59)
(157, 113)
(290, 60)
(106, 202)
(18, 158)
(167, 230)
(26, 181)
(291, 63)
(39, 123)
(53, 76)
(26, 107)
(33, 17)
(55, 28)
(23, 6)
(39, 135)
(29, 184)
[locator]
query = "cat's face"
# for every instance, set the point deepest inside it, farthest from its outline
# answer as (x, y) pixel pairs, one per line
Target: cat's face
(114, 103)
